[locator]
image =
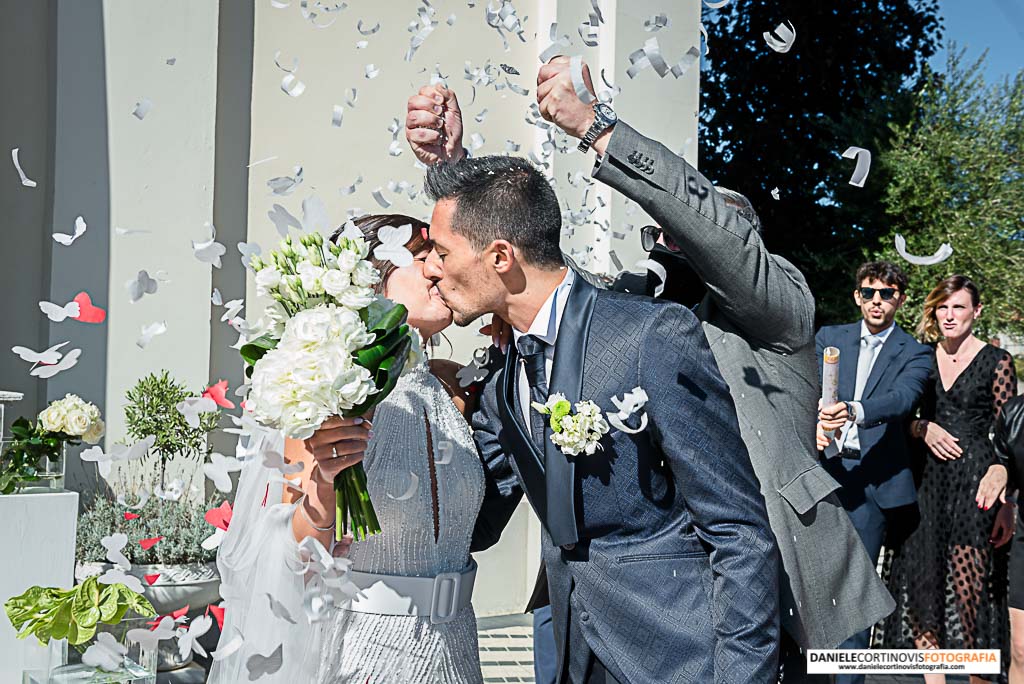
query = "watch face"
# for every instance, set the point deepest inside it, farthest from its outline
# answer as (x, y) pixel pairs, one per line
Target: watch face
(605, 112)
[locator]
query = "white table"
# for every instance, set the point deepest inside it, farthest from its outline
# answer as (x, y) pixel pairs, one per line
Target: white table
(37, 547)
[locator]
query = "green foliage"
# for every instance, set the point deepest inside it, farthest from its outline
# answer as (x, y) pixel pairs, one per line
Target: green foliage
(782, 120)
(180, 523)
(52, 613)
(958, 177)
(31, 444)
(152, 410)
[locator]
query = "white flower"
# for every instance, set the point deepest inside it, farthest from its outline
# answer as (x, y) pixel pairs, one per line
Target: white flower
(267, 280)
(95, 432)
(347, 261)
(310, 276)
(574, 434)
(72, 416)
(77, 422)
(365, 275)
(355, 297)
(52, 419)
(335, 282)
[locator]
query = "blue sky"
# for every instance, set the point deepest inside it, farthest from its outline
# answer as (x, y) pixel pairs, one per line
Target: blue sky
(997, 25)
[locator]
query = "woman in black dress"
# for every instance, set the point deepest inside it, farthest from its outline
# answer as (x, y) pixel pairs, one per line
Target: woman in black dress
(949, 578)
(1009, 442)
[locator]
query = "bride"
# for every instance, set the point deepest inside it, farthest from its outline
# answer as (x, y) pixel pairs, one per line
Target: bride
(412, 621)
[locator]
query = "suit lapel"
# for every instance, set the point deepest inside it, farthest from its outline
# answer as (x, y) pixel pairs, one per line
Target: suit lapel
(524, 451)
(849, 354)
(889, 351)
(567, 378)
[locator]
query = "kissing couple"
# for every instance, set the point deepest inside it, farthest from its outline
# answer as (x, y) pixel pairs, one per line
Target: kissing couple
(660, 562)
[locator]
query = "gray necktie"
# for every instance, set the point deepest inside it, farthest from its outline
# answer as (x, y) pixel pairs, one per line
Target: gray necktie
(531, 349)
(865, 361)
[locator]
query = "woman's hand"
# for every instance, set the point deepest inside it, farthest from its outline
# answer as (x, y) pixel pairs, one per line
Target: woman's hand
(339, 443)
(942, 444)
(1002, 530)
(992, 487)
(820, 438)
(500, 332)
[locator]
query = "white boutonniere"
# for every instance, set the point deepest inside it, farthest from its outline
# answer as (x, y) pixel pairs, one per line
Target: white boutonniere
(573, 433)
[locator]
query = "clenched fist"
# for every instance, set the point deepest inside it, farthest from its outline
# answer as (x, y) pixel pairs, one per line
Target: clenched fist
(433, 125)
(559, 103)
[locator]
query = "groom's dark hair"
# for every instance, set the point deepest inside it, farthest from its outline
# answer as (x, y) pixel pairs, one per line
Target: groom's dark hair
(501, 198)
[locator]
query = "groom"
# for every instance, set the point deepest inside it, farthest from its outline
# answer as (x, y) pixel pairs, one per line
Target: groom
(660, 560)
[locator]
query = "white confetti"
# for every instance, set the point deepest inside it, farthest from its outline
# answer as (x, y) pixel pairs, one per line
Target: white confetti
(248, 250)
(707, 43)
(48, 357)
(210, 251)
(392, 247)
(66, 362)
(378, 195)
(588, 30)
(775, 193)
(558, 45)
(140, 285)
(414, 482)
(260, 665)
(59, 313)
(691, 57)
(216, 298)
(479, 118)
(451, 19)
(171, 61)
(782, 38)
(656, 23)
(578, 84)
(362, 44)
(659, 270)
(476, 141)
(149, 638)
(142, 108)
(319, 7)
(66, 239)
(292, 69)
(105, 653)
(219, 469)
(229, 647)
(367, 32)
(337, 115)
(350, 189)
(717, 5)
(285, 185)
(131, 231)
(279, 609)
(395, 149)
(350, 97)
(515, 88)
(629, 405)
(860, 172)
(292, 86)
(260, 161)
(25, 180)
(114, 545)
(188, 639)
(149, 332)
(371, 71)
(511, 146)
(944, 251)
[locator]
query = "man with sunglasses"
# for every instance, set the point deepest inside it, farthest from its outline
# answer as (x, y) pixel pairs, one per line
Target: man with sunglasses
(882, 375)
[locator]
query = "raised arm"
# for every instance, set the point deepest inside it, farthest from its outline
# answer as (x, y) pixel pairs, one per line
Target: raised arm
(693, 420)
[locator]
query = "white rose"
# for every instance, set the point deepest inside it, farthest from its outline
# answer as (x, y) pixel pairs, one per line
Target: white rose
(77, 422)
(309, 276)
(95, 432)
(355, 297)
(266, 280)
(52, 418)
(310, 326)
(365, 275)
(354, 386)
(347, 261)
(335, 282)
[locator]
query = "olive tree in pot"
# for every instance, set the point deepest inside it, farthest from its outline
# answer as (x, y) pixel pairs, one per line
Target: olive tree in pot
(163, 520)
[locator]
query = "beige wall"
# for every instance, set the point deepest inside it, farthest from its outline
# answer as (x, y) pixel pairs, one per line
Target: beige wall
(161, 180)
(298, 132)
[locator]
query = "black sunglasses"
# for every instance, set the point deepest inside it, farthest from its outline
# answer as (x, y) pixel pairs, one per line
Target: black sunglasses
(649, 237)
(868, 293)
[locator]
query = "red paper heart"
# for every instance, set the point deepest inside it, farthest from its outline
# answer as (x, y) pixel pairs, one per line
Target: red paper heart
(87, 312)
(147, 544)
(219, 517)
(180, 613)
(151, 579)
(218, 392)
(131, 516)
(218, 614)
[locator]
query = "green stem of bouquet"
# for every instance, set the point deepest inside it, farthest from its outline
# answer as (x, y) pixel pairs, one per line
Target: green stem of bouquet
(353, 505)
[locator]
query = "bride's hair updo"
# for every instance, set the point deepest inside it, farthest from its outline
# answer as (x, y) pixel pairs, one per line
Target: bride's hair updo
(370, 224)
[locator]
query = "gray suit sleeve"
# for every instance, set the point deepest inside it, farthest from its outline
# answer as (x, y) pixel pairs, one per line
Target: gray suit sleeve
(762, 294)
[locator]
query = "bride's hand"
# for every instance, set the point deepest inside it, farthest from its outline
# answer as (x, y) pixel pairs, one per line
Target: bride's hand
(339, 443)
(499, 331)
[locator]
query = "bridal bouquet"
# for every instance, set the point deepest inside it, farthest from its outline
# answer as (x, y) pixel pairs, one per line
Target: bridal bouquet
(332, 347)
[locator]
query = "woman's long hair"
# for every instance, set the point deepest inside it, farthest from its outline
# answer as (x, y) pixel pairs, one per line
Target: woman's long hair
(371, 224)
(928, 327)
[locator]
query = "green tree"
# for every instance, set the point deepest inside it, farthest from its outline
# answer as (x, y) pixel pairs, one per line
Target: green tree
(957, 175)
(783, 120)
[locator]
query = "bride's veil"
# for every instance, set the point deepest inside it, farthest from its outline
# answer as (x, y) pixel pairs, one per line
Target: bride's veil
(266, 628)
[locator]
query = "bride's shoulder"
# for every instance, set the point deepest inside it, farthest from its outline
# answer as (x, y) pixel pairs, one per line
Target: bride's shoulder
(446, 371)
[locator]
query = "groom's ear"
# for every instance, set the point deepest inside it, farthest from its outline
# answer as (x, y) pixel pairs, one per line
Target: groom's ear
(501, 256)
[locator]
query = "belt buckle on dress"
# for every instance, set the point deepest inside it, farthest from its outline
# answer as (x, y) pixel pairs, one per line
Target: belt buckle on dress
(436, 616)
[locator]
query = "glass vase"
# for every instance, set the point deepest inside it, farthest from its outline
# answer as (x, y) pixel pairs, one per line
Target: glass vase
(50, 473)
(138, 665)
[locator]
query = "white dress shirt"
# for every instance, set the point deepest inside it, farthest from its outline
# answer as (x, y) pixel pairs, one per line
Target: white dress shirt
(851, 438)
(544, 327)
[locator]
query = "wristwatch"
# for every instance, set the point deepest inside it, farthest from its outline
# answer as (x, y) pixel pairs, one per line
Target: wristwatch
(852, 410)
(604, 118)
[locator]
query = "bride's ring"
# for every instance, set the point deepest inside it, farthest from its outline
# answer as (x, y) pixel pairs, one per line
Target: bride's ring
(334, 453)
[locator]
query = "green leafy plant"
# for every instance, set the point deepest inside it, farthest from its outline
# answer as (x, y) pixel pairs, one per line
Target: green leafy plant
(181, 524)
(53, 613)
(31, 443)
(152, 409)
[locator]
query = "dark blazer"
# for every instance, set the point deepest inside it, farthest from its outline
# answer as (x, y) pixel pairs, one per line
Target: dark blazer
(673, 571)
(1008, 439)
(897, 381)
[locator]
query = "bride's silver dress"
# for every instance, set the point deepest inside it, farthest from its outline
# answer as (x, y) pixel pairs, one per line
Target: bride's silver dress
(417, 431)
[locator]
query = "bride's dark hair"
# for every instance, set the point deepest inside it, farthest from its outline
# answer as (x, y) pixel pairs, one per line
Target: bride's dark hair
(371, 224)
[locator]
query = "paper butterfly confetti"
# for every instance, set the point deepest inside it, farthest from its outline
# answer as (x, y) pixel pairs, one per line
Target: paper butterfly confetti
(67, 240)
(260, 665)
(66, 362)
(117, 576)
(188, 640)
(218, 470)
(140, 286)
(105, 653)
(193, 406)
(165, 629)
(149, 332)
(392, 247)
(57, 313)
(210, 251)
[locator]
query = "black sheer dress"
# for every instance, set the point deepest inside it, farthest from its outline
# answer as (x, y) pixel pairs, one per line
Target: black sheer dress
(949, 583)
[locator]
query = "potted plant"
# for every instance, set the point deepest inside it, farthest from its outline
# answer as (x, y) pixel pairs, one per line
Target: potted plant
(94, 620)
(164, 521)
(35, 453)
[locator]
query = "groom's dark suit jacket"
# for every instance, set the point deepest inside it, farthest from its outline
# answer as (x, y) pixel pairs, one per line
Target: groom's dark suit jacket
(659, 555)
